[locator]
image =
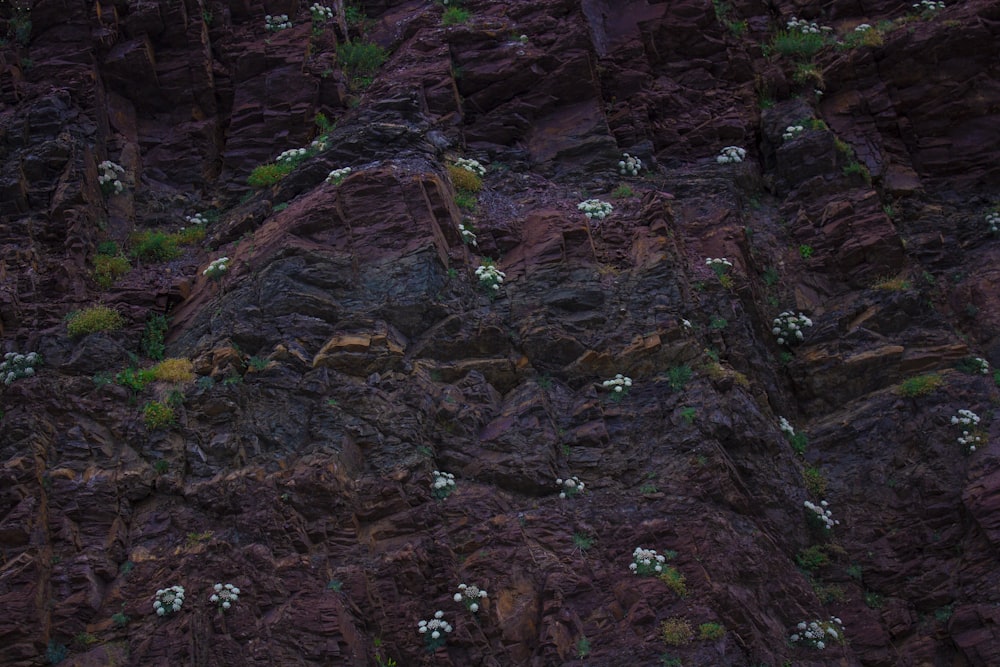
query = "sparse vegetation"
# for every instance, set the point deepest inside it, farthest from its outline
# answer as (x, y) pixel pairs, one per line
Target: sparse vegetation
(676, 631)
(361, 61)
(920, 385)
(157, 415)
(711, 631)
(92, 320)
(174, 370)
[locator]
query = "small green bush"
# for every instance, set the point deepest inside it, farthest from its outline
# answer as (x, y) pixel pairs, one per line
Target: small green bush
(135, 379)
(920, 385)
(711, 631)
(463, 179)
(109, 268)
(157, 415)
(268, 174)
(796, 44)
(812, 558)
(454, 16)
(676, 631)
(174, 370)
(154, 245)
(93, 319)
(360, 61)
(152, 337)
(675, 580)
(678, 376)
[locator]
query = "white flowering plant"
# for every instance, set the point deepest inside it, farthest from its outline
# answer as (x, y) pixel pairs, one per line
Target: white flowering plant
(110, 178)
(792, 131)
(863, 27)
(225, 595)
(819, 515)
(490, 277)
(646, 562)
(320, 14)
(471, 165)
(196, 219)
(168, 600)
(293, 156)
(927, 8)
(619, 386)
(787, 327)
(443, 484)
(806, 27)
(471, 596)
(337, 176)
(993, 222)
(16, 366)
(595, 209)
(570, 486)
(277, 23)
(629, 165)
(818, 634)
(468, 234)
(971, 437)
(719, 265)
(217, 268)
(731, 155)
(434, 631)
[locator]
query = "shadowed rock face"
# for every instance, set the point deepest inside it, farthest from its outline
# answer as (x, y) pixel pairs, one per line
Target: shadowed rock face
(349, 351)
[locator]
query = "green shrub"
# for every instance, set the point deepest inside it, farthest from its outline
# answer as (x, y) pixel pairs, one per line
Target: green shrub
(152, 337)
(675, 580)
(109, 268)
(135, 379)
(154, 245)
(93, 319)
(711, 631)
(268, 174)
(463, 179)
(812, 558)
(676, 631)
(454, 16)
(157, 415)
(854, 167)
(466, 201)
(174, 370)
(920, 385)
(360, 61)
(796, 44)
(622, 192)
(678, 376)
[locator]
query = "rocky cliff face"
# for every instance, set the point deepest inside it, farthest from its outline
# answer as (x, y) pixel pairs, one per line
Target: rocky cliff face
(350, 351)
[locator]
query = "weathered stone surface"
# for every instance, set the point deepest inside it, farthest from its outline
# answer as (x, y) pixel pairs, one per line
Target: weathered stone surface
(349, 351)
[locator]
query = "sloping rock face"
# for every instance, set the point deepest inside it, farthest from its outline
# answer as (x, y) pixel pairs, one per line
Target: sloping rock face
(350, 352)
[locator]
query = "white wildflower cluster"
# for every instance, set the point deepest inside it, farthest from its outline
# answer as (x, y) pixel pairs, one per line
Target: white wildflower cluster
(993, 222)
(646, 562)
(968, 421)
(820, 514)
(595, 208)
(806, 27)
(337, 176)
(686, 324)
(468, 236)
(276, 23)
(785, 427)
(981, 365)
(320, 143)
(196, 219)
(787, 327)
(570, 487)
(792, 131)
(110, 178)
(434, 630)
(819, 634)
(293, 156)
(471, 165)
(864, 27)
(217, 268)
(619, 384)
(443, 484)
(16, 366)
(225, 595)
(470, 595)
(490, 277)
(320, 13)
(719, 265)
(928, 6)
(168, 600)
(629, 165)
(731, 155)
